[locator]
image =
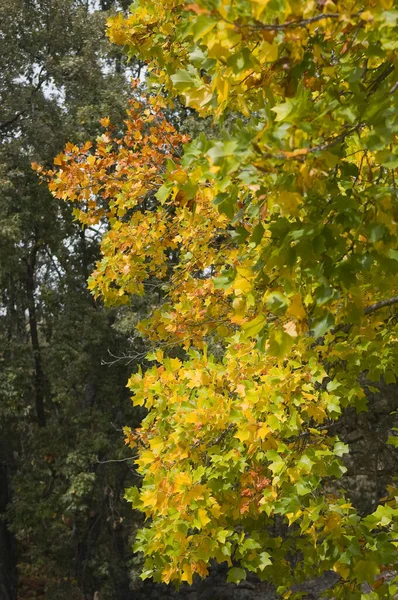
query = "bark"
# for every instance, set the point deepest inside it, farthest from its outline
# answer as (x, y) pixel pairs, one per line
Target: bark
(39, 380)
(8, 559)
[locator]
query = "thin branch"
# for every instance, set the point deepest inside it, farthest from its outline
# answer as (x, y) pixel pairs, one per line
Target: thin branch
(346, 327)
(378, 305)
(300, 153)
(20, 113)
(50, 256)
(338, 138)
(114, 460)
(120, 460)
(394, 88)
(5, 124)
(290, 24)
(383, 75)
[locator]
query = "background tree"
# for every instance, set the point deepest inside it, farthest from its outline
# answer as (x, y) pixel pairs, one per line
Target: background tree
(62, 513)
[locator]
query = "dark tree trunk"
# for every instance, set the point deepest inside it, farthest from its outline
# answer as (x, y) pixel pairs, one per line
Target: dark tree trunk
(8, 559)
(39, 381)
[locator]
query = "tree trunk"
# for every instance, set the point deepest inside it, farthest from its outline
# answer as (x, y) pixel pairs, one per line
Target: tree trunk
(39, 381)
(8, 559)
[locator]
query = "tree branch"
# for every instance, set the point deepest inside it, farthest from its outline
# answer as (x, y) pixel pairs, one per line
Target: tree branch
(383, 75)
(300, 153)
(378, 305)
(114, 460)
(290, 24)
(5, 124)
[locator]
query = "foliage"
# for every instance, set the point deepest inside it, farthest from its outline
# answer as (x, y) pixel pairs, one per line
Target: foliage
(275, 242)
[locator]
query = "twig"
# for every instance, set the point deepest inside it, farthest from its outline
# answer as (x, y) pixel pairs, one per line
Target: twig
(290, 24)
(383, 75)
(300, 153)
(394, 88)
(114, 460)
(339, 138)
(377, 305)
(5, 124)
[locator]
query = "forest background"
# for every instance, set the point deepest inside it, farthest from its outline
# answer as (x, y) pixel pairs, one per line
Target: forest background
(63, 530)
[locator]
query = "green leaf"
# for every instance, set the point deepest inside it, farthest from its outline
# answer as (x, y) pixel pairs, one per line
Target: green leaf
(183, 80)
(220, 150)
(366, 570)
(340, 449)
(236, 575)
(164, 192)
(280, 343)
(321, 326)
(258, 233)
(223, 281)
(393, 440)
(202, 25)
(283, 110)
(276, 301)
(265, 560)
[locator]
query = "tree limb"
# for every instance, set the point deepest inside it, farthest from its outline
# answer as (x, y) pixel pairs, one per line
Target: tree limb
(5, 124)
(290, 24)
(377, 305)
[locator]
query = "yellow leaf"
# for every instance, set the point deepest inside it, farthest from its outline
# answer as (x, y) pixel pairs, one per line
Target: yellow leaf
(297, 152)
(290, 328)
(156, 445)
(332, 522)
(296, 308)
(242, 283)
(253, 327)
(239, 306)
(341, 569)
(221, 85)
(186, 573)
(292, 517)
(289, 202)
(195, 378)
(148, 498)
(202, 569)
(268, 52)
(203, 518)
(258, 6)
(366, 15)
(175, 364)
(241, 390)
(146, 458)
(167, 574)
(243, 435)
(192, 417)
(182, 481)
(215, 510)
(263, 431)
(316, 412)
(179, 176)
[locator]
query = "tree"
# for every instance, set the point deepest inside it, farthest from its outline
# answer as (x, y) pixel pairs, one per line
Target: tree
(62, 514)
(276, 248)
